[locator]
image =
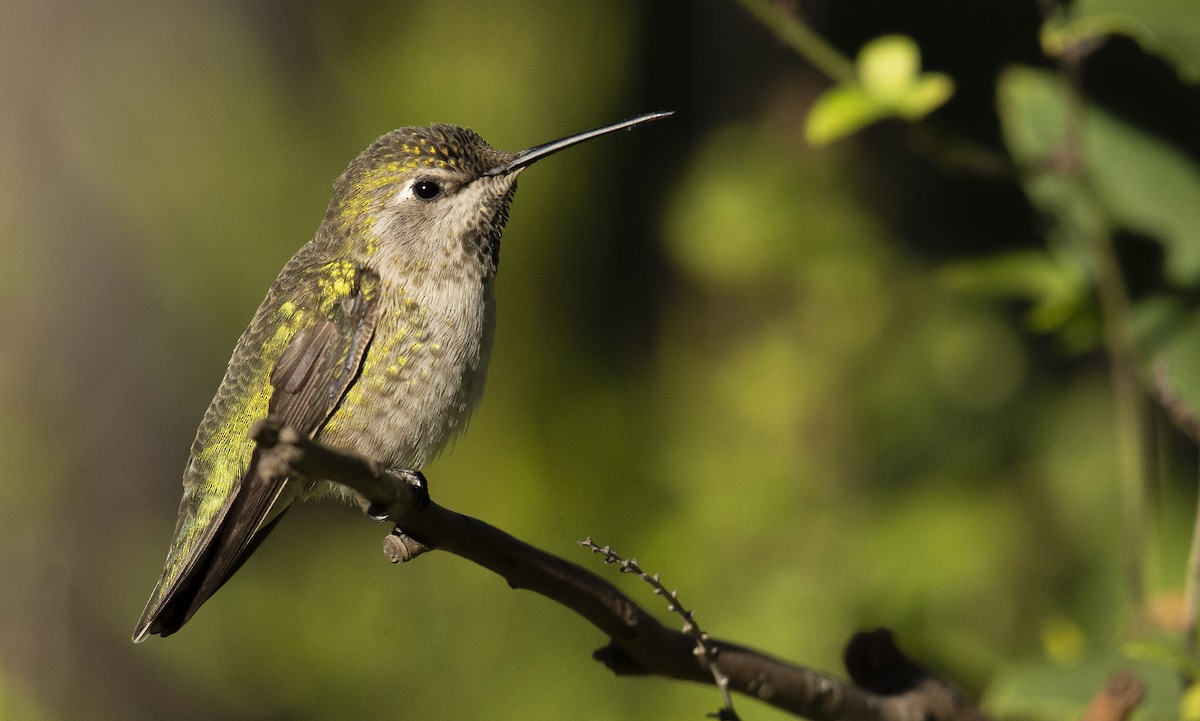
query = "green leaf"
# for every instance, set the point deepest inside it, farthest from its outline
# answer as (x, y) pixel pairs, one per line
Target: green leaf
(1149, 187)
(929, 93)
(1130, 180)
(889, 72)
(888, 68)
(1057, 288)
(1168, 28)
(890, 84)
(840, 111)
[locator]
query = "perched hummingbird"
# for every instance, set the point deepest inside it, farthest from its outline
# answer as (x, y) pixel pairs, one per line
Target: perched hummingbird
(374, 338)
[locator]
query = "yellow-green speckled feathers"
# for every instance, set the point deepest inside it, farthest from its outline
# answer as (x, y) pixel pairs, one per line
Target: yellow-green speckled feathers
(296, 359)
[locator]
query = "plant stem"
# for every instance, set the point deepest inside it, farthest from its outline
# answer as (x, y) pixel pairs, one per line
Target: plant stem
(798, 36)
(1129, 398)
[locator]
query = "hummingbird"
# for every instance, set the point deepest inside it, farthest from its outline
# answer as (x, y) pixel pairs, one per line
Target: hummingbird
(374, 339)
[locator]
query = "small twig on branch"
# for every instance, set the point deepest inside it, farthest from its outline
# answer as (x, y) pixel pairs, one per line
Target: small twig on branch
(705, 649)
(640, 644)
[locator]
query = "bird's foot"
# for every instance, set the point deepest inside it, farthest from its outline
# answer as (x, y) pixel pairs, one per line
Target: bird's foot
(415, 480)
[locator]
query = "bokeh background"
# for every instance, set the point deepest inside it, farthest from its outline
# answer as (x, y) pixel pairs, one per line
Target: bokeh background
(721, 350)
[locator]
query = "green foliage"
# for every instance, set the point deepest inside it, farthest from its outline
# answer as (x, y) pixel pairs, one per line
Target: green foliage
(1170, 28)
(889, 84)
(1056, 289)
(1128, 179)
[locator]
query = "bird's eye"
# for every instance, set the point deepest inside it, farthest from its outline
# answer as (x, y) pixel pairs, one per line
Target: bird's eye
(427, 189)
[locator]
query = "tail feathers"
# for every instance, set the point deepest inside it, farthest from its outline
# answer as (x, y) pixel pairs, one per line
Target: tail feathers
(166, 613)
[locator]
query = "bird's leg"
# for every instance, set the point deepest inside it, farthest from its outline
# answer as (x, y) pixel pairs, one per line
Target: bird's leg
(420, 494)
(399, 546)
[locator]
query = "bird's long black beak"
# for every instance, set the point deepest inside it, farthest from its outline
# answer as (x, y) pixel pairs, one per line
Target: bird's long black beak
(532, 155)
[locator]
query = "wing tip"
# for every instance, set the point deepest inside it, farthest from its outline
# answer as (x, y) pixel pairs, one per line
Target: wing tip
(150, 624)
(162, 620)
(141, 633)
(170, 606)
(154, 628)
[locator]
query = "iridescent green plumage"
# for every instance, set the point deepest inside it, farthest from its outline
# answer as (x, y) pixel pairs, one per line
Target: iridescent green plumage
(374, 338)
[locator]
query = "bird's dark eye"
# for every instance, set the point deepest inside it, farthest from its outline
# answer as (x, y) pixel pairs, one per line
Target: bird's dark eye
(427, 189)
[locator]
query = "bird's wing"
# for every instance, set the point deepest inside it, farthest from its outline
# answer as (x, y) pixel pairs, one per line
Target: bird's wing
(300, 373)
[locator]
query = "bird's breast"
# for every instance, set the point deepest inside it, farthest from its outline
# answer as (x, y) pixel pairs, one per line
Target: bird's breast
(423, 373)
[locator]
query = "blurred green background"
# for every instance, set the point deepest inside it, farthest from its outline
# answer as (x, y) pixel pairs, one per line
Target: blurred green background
(724, 352)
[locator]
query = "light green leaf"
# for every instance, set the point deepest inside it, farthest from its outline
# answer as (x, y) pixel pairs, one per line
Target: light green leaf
(888, 68)
(929, 93)
(890, 84)
(889, 71)
(840, 111)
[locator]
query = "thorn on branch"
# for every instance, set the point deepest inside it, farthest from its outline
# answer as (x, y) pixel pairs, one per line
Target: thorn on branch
(399, 547)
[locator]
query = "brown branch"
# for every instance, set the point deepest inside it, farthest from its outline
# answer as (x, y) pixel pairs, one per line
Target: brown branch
(640, 644)
(1121, 694)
